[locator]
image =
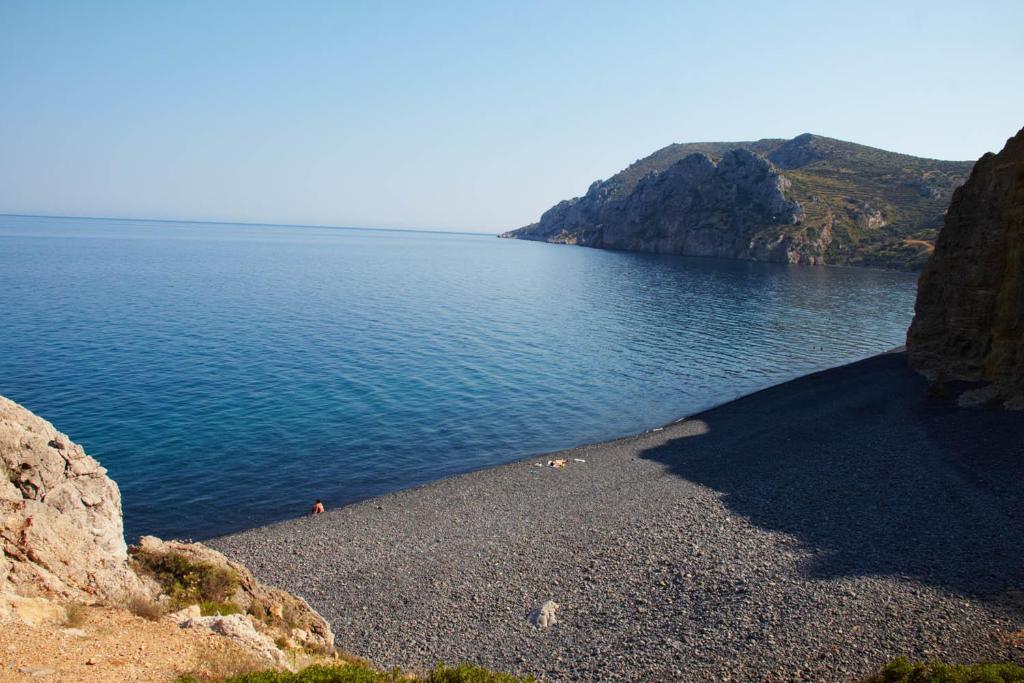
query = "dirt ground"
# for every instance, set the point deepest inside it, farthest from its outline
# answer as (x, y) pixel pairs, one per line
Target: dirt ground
(114, 645)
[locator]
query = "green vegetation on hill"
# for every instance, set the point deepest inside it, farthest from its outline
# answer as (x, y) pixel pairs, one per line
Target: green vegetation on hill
(861, 206)
(910, 193)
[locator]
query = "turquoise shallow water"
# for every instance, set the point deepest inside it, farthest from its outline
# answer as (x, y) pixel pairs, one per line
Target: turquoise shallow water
(227, 375)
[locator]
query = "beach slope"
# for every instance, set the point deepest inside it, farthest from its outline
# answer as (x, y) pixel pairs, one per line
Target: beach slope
(815, 529)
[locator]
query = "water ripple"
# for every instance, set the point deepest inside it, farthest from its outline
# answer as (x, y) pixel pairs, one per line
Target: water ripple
(227, 375)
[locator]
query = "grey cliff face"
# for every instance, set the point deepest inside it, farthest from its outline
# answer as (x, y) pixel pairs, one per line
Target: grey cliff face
(969, 317)
(694, 207)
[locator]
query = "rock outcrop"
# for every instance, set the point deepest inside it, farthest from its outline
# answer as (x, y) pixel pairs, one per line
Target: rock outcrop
(810, 200)
(242, 631)
(287, 616)
(969, 317)
(60, 517)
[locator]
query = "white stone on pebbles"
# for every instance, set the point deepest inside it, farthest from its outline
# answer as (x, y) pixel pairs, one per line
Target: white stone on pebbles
(544, 616)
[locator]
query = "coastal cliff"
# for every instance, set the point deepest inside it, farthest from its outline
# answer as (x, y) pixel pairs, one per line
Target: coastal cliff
(969, 317)
(811, 200)
(61, 531)
(67, 573)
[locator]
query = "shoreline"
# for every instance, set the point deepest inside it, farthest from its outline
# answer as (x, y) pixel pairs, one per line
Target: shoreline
(822, 526)
(913, 271)
(544, 455)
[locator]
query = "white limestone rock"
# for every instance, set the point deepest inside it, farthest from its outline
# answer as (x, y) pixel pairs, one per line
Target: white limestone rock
(241, 630)
(60, 516)
(544, 616)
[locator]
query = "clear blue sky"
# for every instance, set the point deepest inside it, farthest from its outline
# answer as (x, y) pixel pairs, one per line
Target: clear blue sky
(468, 115)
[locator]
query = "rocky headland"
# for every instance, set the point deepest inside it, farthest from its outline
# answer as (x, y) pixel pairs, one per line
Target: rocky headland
(810, 200)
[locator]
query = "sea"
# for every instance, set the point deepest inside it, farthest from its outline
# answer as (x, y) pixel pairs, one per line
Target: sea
(227, 375)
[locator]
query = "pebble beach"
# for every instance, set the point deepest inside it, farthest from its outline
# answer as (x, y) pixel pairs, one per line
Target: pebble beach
(810, 531)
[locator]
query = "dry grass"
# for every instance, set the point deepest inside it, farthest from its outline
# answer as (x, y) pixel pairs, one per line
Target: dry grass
(145, 607)
(258, 611)
(218, 664)
(74, 615)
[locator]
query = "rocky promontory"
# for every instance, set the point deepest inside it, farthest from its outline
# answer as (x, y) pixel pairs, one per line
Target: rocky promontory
(969, 317)
(696, 206)
(811, 200)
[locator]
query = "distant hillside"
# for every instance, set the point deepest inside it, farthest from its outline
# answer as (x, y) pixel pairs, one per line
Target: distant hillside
(812, 199)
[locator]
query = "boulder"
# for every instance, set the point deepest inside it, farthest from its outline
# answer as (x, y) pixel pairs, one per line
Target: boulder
(969, 316)
(242, 631)
(31, 611)
(62, 540)
(185, 614)
(60, 516)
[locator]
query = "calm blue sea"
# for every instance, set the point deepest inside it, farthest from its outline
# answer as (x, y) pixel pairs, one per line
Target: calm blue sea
(227, 375)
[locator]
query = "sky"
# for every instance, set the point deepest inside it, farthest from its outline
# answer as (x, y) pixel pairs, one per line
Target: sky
(471, 116)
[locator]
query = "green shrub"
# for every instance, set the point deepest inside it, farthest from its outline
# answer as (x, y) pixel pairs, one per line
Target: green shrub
(902, 671)
(314, 674)
(465, 673)
(187, 582)
(212, 608)
(357, 673)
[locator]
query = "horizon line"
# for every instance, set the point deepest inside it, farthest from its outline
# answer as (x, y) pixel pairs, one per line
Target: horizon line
(247, 223)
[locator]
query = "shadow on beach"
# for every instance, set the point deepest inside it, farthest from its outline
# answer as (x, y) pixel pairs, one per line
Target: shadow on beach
(860, 467)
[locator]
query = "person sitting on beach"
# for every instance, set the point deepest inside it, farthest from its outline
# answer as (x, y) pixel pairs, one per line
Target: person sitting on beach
(318, 507)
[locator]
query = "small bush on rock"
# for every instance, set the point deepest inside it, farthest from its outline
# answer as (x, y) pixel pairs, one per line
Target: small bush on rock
(902, 671)
(211, 608)
(187, 582)
(145, 607)
(222, 663)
